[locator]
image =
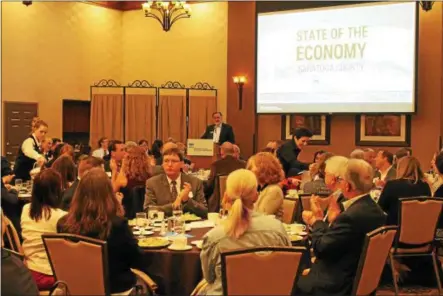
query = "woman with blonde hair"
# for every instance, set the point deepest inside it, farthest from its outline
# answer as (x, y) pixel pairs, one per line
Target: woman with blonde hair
(410, 182)
(243, 228)
(269, 173)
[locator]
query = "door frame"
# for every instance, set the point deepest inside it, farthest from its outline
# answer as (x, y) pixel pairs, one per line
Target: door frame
(4, 103)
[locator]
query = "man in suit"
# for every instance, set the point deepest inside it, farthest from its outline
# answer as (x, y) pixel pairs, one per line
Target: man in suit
(385, 169)
(288, 152)
(224, 166)
(174, 189)
(84, 166)
(338, 246)
(117, 151)
(219, 132)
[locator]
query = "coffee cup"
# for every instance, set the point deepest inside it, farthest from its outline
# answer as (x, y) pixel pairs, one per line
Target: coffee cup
(180, 241)
(214, 217)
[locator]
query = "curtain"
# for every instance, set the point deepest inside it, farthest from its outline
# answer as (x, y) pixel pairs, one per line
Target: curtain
(172, 118)
(200, 115)
(106, 117)
(140, 117)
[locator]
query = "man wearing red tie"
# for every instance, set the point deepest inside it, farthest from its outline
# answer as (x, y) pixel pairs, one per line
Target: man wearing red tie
(219, 132)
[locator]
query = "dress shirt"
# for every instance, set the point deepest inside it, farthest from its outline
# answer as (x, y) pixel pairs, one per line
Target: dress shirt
(100, 153)
(385, 173)
(28, 148)
(178, 183)
(217, 131)
(346, 204)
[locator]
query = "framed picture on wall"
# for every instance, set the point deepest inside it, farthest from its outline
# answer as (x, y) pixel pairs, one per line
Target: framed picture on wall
(383, 130)
(320, 125)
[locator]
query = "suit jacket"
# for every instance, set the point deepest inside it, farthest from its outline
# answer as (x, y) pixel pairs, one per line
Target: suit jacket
(391, 175)
(288, 154)
(338, 248)
(158, 193)
(226, 133)
(68, 195)
(223, 166)
(17, 275)
(396, 189)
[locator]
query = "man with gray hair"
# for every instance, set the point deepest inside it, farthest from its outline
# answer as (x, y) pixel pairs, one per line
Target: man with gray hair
(357, 154)
(222, 167)
(338, 246)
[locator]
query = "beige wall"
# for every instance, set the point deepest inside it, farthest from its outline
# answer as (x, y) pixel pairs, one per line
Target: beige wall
(193, 50)
(56, 50)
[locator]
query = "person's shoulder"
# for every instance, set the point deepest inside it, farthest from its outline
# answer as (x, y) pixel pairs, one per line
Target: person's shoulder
(261, 222)
(154, 179)
(190, 179)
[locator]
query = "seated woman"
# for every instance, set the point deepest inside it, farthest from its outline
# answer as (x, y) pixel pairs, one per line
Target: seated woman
(243, 228)
(38, 217)
(318, 185)
(67, 170)
(269, 173)
(410, 182)
(95, 212)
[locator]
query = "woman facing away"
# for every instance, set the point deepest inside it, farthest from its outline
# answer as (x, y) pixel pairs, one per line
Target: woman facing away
(38, 217)
(95, 212)
(269, 174)
(243, 228)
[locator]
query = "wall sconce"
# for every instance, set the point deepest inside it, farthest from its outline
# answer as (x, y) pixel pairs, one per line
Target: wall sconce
(27, 3)
(426, 5)
(240, 81)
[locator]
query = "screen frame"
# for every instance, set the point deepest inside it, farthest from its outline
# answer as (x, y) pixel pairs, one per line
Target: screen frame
(325, 5)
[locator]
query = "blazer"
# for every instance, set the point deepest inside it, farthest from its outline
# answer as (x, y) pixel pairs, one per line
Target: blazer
(226, 133)
(158, 193)
(223, 166)
(270, 201)
(396, 189)
(68, 195)
(123, 253)
(288, 154)
(391, 175)
(338, 248)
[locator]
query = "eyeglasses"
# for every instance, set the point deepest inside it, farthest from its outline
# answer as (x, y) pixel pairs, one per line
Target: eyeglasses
(170, 161)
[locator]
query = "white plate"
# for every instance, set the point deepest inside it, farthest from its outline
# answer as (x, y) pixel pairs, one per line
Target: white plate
(146, 228)
(176, 248)
(197, 243)
(25, 195)
(145, 233)
(303, 233)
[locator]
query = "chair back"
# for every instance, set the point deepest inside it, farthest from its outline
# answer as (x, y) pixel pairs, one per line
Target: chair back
(418, 219)
(289, 207)
(376, 249)
(221, 186)
(305, 202)
(13, 238)
(260, 271)
(79, 261)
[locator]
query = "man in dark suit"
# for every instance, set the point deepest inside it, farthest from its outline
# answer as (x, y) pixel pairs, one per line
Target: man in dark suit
(219, 132)
(174, 189)
(84, 166)
(338, 246)
(224, 166)
(117, 151)
(385, 169)
(288, 152)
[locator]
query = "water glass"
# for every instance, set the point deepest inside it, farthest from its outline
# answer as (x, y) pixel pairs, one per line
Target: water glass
(179, 226)
(18, 184)
(140, 220)
(177, 212)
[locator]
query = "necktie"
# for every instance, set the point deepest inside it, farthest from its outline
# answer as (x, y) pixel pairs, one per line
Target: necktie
(174, 192)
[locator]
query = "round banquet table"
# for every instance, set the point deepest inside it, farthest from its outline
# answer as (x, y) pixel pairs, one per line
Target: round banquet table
(179, 272)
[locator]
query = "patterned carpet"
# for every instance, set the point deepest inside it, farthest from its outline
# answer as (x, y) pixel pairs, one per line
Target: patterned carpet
(389, 290)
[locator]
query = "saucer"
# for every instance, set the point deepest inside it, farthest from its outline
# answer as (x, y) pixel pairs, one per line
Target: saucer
(177, 248)
(145, 233)
(197, 243)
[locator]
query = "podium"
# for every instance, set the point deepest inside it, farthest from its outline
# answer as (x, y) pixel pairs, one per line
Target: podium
(202, 152)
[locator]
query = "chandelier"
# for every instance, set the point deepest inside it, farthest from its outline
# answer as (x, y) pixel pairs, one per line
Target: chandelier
(167, 12)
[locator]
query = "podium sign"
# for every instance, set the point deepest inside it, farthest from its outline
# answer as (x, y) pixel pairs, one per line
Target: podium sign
(200, 147)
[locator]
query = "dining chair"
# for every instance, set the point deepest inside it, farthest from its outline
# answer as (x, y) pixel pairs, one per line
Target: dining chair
(418, 219)
(289, 208)
(261, 270)
(373, 257)
(13, 238)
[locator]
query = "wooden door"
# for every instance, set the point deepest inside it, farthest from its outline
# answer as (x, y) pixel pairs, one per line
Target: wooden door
(17, 119)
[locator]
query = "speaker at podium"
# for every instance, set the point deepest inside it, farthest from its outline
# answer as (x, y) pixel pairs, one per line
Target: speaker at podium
(202, 152)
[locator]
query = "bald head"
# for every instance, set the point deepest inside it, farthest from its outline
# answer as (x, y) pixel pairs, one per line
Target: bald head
(236, 151)
(226, 149)
(357, 154)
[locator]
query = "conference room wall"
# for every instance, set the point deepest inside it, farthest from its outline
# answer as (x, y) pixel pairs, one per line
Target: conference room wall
(55, 50)
(194, 50)
(427, 124)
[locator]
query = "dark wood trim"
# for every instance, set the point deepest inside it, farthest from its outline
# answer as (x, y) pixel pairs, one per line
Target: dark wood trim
(405, 143)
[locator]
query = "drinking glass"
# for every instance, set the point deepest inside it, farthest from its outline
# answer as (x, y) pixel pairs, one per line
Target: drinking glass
(18, 184)
(179, 226)
(153, 212)
(141, 221)
(177, 212)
